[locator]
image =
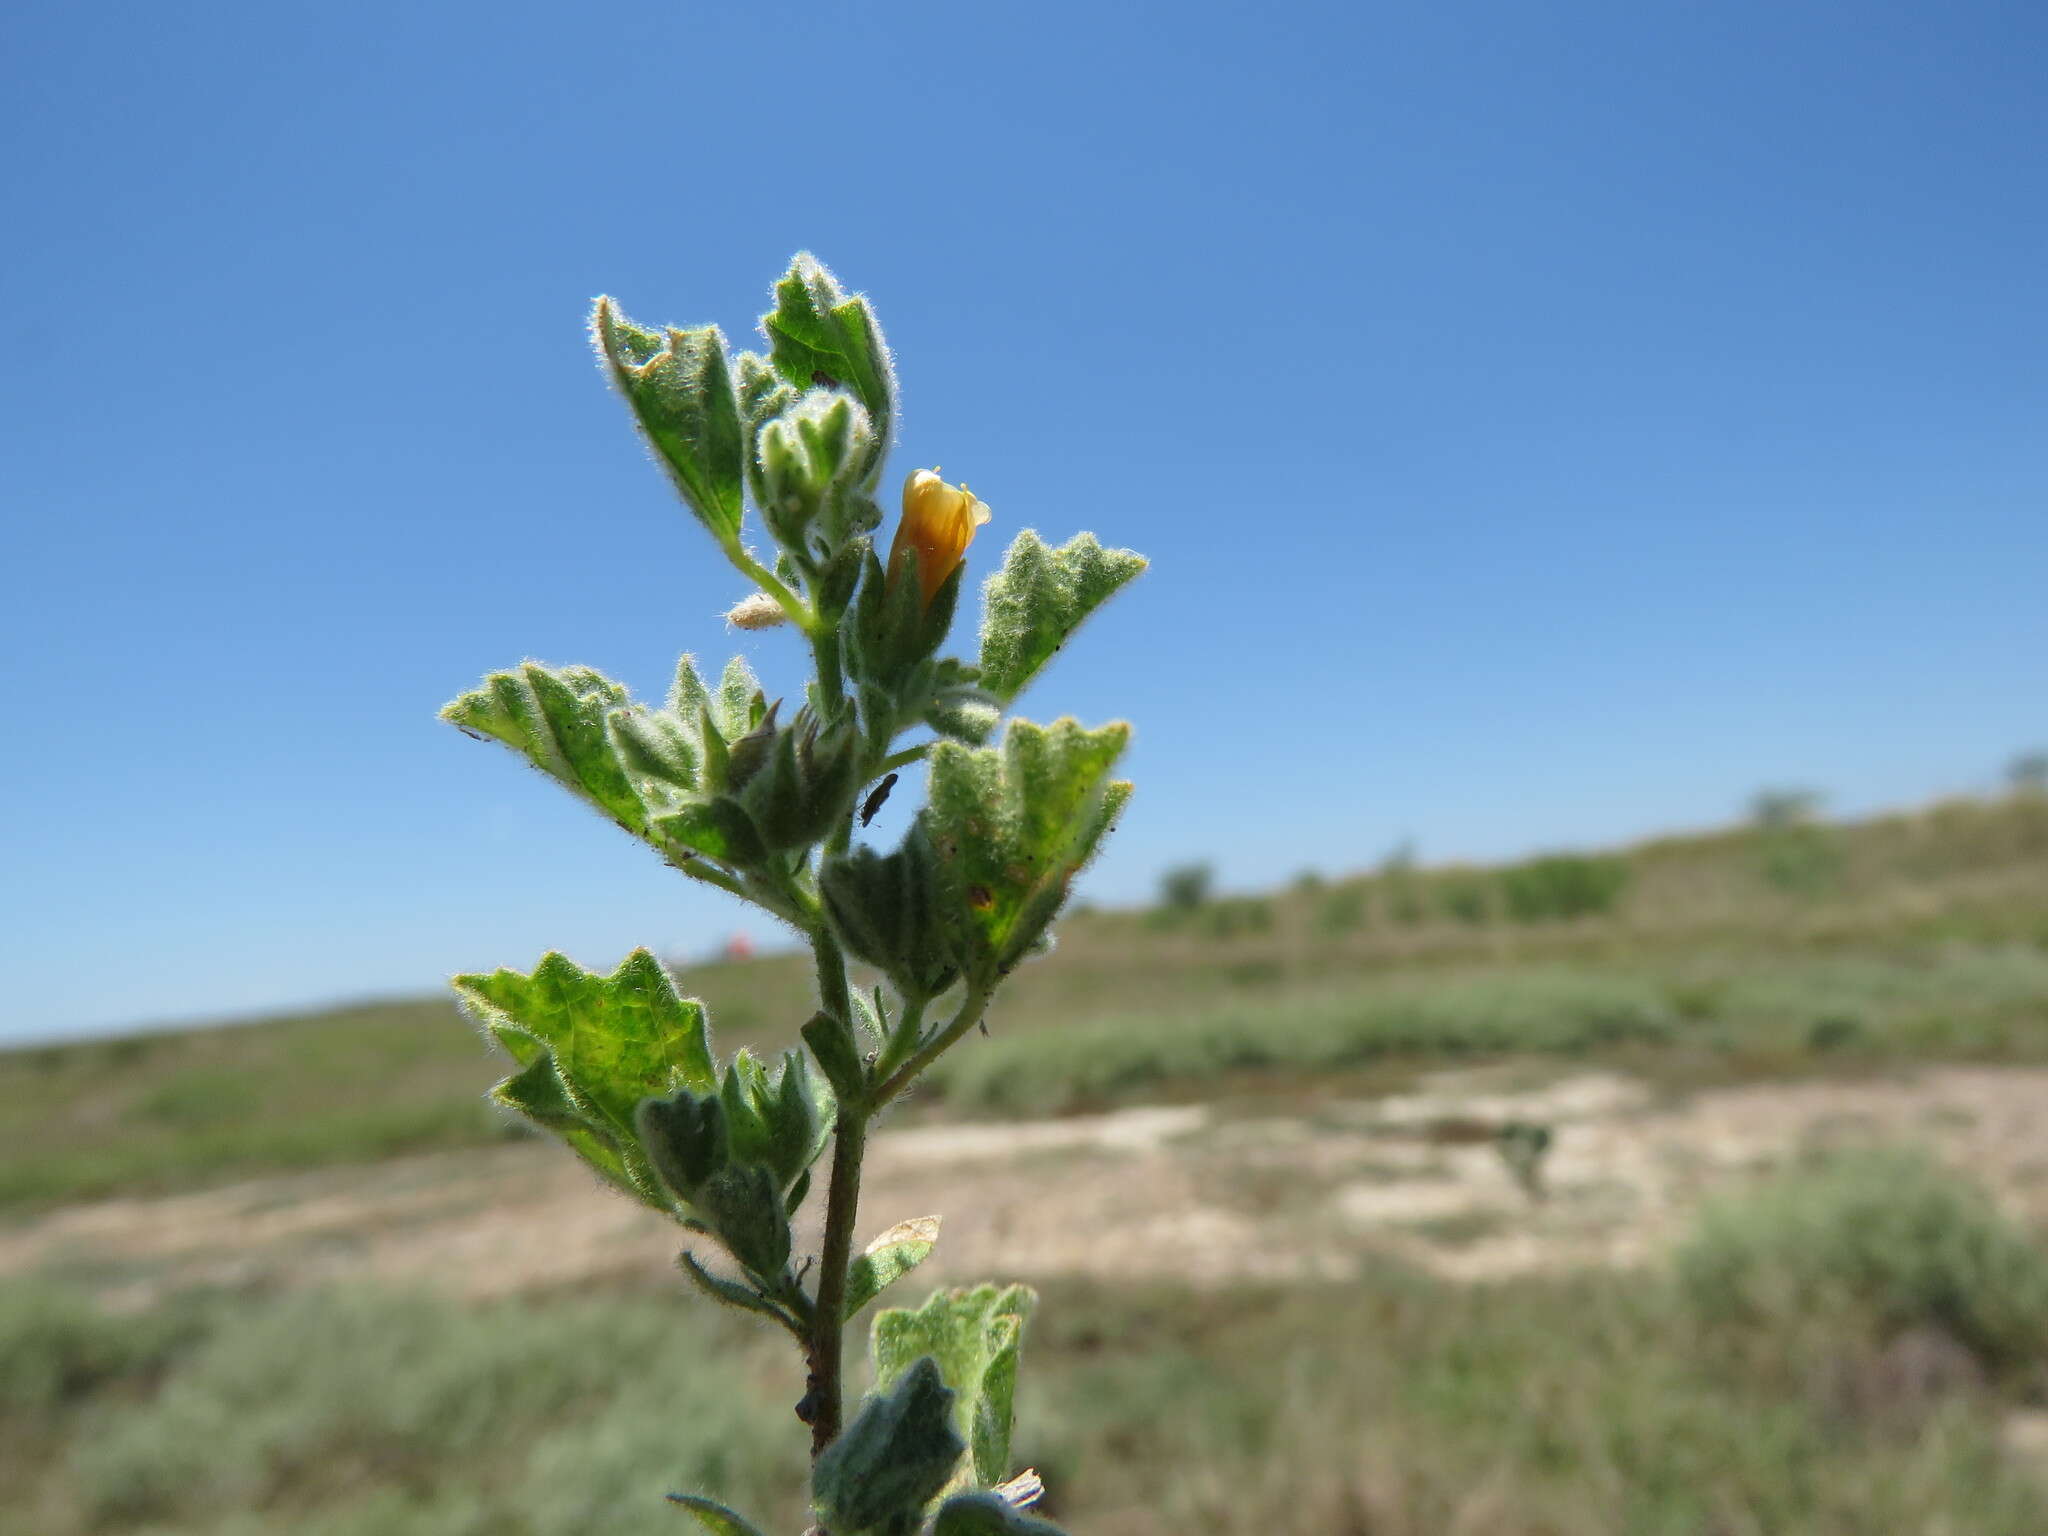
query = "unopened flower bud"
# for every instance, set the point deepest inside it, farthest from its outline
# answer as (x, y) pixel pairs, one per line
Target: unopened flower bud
(760, 611)
(938, 522)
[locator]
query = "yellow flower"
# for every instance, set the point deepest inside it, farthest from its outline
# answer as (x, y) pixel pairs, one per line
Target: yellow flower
(938, 522)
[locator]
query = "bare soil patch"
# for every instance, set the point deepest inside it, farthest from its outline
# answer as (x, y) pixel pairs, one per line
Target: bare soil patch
(1204, 1193)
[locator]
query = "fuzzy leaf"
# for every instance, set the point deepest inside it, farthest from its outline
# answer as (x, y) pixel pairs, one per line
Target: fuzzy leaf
(614, 1040)
(658, 752)
(680, 387)
(556, 717)
(730, 1293)
(538, 1092)
(889, 1258)
(1012, 825)
(1038, 599)
(714, 1517)
(717, 829)
(974, 1337)
(820, 337)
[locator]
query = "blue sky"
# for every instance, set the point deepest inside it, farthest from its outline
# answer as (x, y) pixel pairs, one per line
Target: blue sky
(1548, 424)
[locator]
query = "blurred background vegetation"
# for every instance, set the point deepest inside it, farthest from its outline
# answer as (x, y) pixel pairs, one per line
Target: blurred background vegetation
(1844, 1344)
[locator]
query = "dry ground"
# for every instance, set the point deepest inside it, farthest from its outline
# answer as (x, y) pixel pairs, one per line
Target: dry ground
(1206, 1193)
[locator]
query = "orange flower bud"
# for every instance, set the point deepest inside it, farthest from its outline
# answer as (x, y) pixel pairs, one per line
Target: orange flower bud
(938, 522)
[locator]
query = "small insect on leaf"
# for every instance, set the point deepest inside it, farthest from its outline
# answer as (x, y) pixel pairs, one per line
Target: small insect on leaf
(872, 806)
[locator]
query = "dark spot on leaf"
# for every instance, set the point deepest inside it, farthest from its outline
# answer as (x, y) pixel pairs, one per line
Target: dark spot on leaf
(824, 380)
(980, 897)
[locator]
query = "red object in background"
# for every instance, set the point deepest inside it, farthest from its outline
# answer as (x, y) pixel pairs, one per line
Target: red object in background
(739, 947)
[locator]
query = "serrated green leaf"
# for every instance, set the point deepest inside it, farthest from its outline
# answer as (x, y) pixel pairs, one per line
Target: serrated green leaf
(538, 1092)
(715, 1517)
(820, 337)
(974, 1336)
(893, 1459)
(1038, 599)
(1012, 825)
(887, 1259)
(682, 396)
(988, 1514)
(614, 1040)
(556, 717)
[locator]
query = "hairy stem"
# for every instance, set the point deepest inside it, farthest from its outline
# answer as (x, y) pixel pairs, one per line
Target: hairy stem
(827, 1325)
(904, 758)
(903, 1036)
(972, 1007)
(833, 995)
(825, 652)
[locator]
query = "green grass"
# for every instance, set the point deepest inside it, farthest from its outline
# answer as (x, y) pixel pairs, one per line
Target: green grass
(1709, 1018)
(1603, 1405)
(1883, 1235)
(1929, 941)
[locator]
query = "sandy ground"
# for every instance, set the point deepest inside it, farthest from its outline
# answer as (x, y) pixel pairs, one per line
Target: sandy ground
(1202, 1193)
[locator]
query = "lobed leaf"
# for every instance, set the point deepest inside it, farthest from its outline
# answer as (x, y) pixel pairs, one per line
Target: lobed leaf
(1038, 599)
(589, 1048)
(818, 336)
(556, 718)
(974, 1336)
(679, 385)
(1011, 827)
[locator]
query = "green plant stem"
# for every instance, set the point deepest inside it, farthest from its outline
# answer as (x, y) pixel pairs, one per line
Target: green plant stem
(828, 1329)
(833, 994)
(903, 1036)
(825, 652)
(972, 1007)
(904, 758)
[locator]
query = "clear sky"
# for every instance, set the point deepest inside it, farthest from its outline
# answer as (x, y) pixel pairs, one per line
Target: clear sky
(1548, 424)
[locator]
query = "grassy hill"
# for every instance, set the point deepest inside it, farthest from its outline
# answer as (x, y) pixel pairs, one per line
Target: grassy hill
(1753, 951)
